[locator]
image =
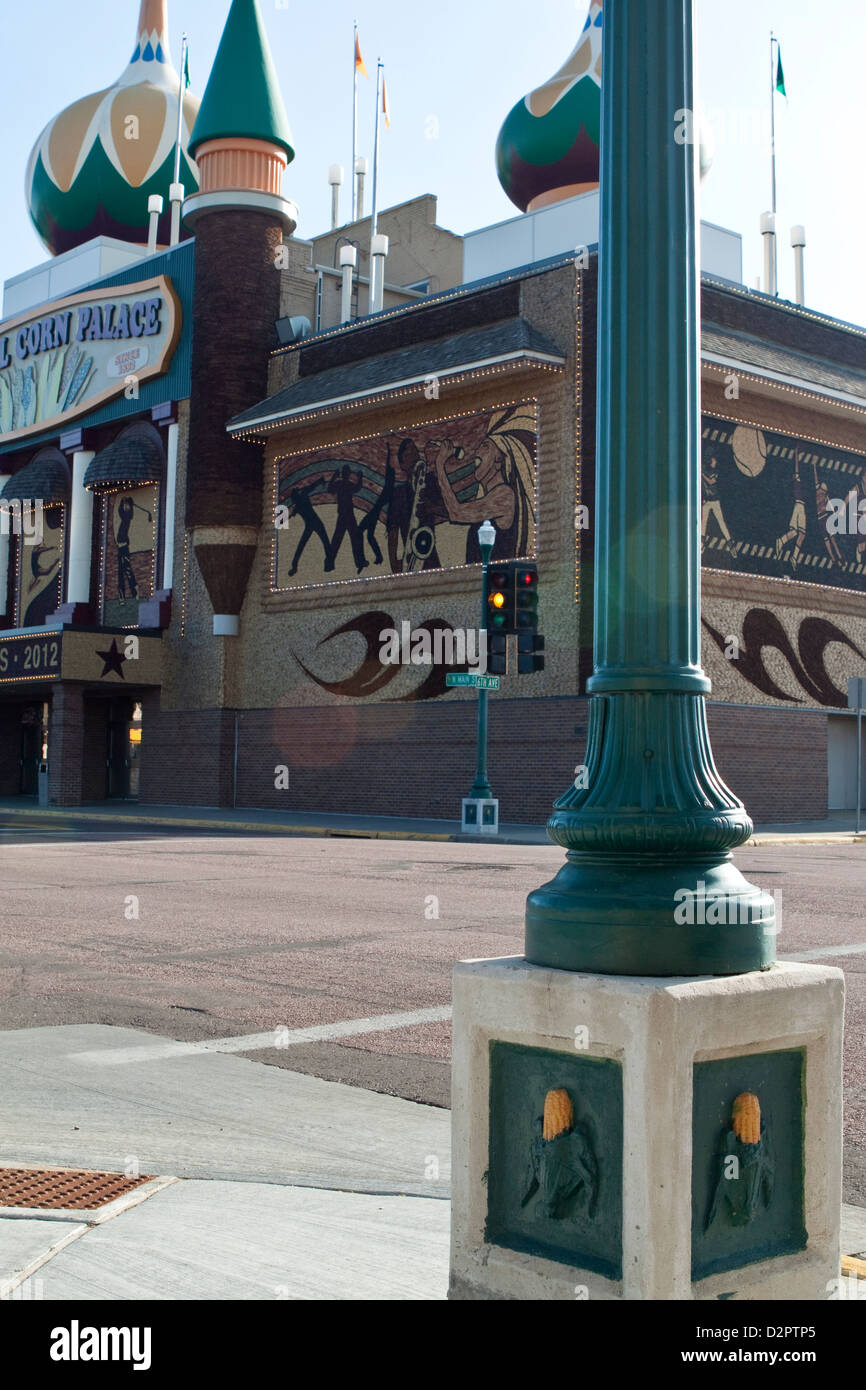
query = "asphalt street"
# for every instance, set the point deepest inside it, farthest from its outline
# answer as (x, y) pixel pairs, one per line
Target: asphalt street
(305, 950)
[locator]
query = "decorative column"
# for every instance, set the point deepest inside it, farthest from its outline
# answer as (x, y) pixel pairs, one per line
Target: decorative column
(155, 612)
(80, 530)
(645, 1107)
(66, 744)
(4, 559)
(75, 606)
(651, 816)
(170, 503)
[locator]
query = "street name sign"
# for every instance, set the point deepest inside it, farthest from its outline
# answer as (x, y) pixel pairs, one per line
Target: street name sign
(467, 678)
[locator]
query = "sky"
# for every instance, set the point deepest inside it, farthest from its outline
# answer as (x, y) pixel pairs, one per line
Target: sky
(454, 69)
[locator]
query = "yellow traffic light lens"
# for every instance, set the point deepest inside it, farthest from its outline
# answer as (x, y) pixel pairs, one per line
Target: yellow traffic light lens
(498, 600)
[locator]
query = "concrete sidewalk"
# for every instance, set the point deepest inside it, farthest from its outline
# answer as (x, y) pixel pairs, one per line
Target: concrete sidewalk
(127, 816)
(273, 1185)
(287, 1186)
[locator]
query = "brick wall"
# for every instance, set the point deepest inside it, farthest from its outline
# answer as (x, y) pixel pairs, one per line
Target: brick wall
(186, 756)
(419, 760)
(774, 760)
(236, 303)
(66, 745)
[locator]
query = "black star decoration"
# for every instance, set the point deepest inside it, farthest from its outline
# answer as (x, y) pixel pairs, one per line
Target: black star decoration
(113, 659)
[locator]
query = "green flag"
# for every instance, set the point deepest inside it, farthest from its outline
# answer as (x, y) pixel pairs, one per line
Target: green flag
(186, 79)
(780, 74)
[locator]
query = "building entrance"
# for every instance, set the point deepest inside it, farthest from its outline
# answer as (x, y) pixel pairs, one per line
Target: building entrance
(124, 746)
(34, 747)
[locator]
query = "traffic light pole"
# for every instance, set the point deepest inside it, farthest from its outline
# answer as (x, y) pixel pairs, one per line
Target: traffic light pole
(481, 786)
(655, 819)
(595, 1109)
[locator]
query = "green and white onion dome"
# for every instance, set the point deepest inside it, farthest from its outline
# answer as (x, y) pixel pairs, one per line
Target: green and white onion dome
(95, 165)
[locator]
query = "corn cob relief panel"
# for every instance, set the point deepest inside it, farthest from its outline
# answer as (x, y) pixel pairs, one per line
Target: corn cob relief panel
(555, 1171)
(747, 1178)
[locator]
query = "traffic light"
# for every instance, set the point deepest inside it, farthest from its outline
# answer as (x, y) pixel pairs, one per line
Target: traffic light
(500, 601)
(526, 597)
(530, 643)
(497, 654)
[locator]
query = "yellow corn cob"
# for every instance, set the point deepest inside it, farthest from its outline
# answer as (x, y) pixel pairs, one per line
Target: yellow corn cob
(746, 1118)
(558, 1114)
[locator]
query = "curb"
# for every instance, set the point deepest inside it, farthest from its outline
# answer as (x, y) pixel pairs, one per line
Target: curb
(32, 819)
(19, 820)
(780, 838)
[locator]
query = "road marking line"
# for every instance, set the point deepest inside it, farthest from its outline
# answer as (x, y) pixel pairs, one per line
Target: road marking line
(277, 1037)
(856, 949)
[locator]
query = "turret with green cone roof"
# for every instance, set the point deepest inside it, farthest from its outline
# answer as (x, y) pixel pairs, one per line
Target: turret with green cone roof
(241, 222)
(242, 98)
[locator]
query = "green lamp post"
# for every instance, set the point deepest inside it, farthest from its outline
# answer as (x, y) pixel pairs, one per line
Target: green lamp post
(481, 786)
(649, 887)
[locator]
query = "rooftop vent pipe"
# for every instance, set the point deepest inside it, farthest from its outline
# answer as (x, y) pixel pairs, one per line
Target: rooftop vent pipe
(768, 232)
(335, 179)
(798, 241)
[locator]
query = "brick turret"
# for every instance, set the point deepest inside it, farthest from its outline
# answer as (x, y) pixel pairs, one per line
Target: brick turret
(242, 145)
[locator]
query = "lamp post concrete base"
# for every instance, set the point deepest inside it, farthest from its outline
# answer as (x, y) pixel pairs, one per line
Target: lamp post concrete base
(637, 1138)
(480, 815)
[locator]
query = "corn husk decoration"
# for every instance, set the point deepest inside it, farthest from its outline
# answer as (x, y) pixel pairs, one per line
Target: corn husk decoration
(746, 1118)
(558, 1114)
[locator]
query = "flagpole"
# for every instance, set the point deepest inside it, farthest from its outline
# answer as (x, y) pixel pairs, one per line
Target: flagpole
(773, 120)
(374, 225)
(355, 128)
(375, 261)
(180, 110)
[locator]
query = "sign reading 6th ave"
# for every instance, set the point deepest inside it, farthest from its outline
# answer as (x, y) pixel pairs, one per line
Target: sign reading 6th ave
(29, 658)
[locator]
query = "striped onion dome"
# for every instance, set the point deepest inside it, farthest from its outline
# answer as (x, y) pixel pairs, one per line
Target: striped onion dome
(548, 147)
(94, 166)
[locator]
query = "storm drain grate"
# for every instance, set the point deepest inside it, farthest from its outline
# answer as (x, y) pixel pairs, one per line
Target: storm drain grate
(63, 1188)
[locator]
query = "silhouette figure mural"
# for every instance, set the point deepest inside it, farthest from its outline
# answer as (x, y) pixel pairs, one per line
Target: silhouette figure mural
(128, 552)
(782, 507)
(408, 502)
(41, 571)
(302, 506)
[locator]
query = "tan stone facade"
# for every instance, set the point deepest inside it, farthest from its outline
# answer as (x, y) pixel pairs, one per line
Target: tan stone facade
(299, 711)
(288, 676)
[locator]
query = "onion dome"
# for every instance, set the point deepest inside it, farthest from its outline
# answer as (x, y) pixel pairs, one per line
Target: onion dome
(95, 165)
(548, 148)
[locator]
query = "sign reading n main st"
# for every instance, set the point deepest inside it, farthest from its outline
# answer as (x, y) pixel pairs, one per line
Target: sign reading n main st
(78, 353)
(460, 678)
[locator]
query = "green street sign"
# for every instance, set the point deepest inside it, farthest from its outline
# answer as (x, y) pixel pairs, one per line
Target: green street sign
(476, 682)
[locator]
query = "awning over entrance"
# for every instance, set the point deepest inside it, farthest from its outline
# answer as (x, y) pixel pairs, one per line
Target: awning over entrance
(45, 478)
(128, 461)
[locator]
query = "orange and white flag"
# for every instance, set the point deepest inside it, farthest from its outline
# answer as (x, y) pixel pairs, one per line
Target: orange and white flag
(386, 105)
(360, 65)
